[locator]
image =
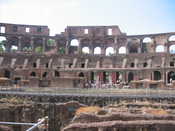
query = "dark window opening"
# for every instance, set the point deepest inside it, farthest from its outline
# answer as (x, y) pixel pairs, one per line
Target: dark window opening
(157, 75)
(171, 63)
(15, 28)
(57, 74)
(7, 74)
(132, 65)
(70, 65)
(34, 65)
(45, 74)
(92, 77)
(145, 64)
(17, 79)
(39, 29)
(130, 77)
(81, 74)
(82, 65)
(33, 74)
(47, 65)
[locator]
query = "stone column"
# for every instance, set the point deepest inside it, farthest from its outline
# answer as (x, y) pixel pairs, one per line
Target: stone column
(19, 43)
(110, 78)
(43, 45)
(79, 47)
(32, 44)
(139, 50)
(67, 47)
(103, 51)
(166, 48)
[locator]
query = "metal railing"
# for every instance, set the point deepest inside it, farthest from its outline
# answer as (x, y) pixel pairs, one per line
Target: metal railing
(33, 125)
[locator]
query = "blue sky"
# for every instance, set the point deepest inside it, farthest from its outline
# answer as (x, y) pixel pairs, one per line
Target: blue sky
(132, 16)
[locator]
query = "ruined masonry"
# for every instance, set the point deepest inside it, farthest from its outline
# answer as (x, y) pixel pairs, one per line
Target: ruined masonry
(85, 55)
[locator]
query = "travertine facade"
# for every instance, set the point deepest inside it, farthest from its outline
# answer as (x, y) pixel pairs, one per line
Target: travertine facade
(82, 55)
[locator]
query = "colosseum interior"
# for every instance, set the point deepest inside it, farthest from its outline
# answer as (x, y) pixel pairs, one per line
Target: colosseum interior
(85, 56)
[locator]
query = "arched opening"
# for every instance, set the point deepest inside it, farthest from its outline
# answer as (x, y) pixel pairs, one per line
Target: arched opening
(97, 50)
(3, 42)
(122, 50)
(109, 51)
(81, 74)
(85, 50)
(147, 40)
(38, 45)
(45, 74)
(13, 44)
(26, 46)
(51, 43)
(172, 38)
(130, 76)
(160, 48)
(133, 48)
(17, 80)
(74, 42)
(7, 73)
(56, 74)
(171, 76)
(73, 49)
(132, 64)
(33, 74)
(92, 77)
(105, 77)
(172, 49)
(118, 77)
(145, 64)
(157, 75)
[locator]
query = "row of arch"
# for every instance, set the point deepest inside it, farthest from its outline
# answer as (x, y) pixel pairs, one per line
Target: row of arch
(123, 50)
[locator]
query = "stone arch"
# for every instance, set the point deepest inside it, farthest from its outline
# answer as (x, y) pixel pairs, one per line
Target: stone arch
(74, 44)
(105, 77)
(3, 42)
(13, 44)
(160, 48)
(171, 76)
(33, 74)
(122, 50)
(109, 51)
(7, 73)
(56, 73)
(171, 38)
(38, 45)
(146, 44)
(85, 50)
(81, 74)
(172, 49)
(130, 76)
(45, 74)
(157, 75)
(118, 76)
(147, 40)
(97, 50)
(26, 44)
(133, 48)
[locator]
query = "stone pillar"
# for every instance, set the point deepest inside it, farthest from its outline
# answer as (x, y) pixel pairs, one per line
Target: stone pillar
(43, 45)
(19, 43)
(67, 47)
(139, 50)
(32, 44)
(110, 78)
(166, 48)
(103, 51)
(79, 47)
